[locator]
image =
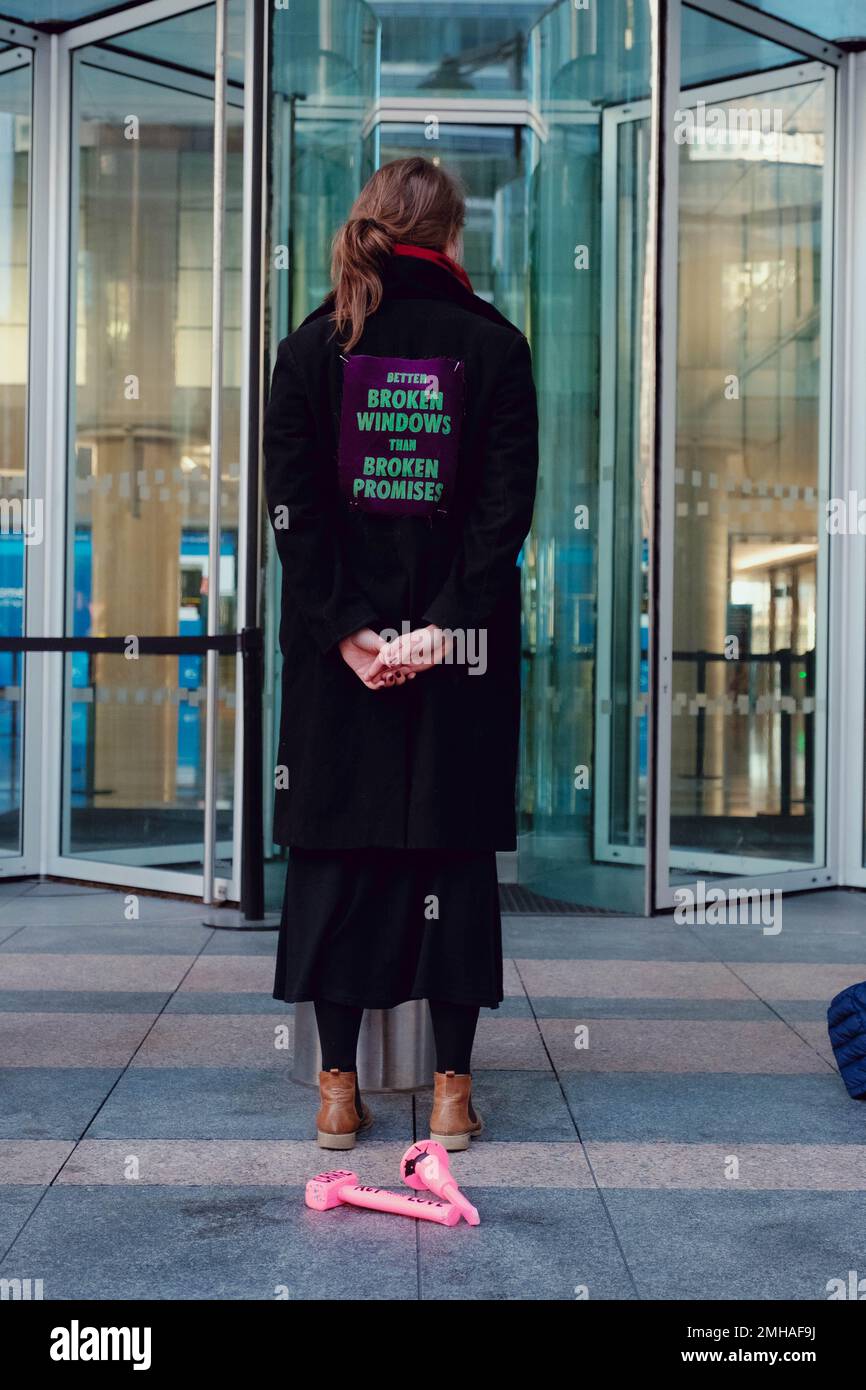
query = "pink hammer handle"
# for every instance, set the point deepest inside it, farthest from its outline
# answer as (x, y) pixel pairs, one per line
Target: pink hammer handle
(452, 1192)
(380, 1199)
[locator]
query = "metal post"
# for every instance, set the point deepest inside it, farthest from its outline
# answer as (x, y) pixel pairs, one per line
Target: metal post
(212, 680)
(659, 443)
(252, 886)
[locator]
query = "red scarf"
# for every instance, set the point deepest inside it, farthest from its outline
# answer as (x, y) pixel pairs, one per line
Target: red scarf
(425, 253)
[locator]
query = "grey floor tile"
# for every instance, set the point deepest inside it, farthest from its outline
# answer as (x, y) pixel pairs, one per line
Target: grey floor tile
(217, 1040)
(722, 1107)
(71, 1040)
(616, 979)
(108, 909)
(783, 980)
(801, 1010)
(31, 1161)
(240, 943)
(604, 938)
(119, 971)
(512, 1006)
(115, 937)
(16, 1204)
(816, 927)
(227, 1103)
(203, 1002)
(62, 888)
(45, 1103)
(566, 1007)
(530, 1245)
(739, 1245)
(12, 888)
(76, 1001)
(514, 1105)
(681, 1045)
(9, 931)
(222, 1243)
(709, 1167)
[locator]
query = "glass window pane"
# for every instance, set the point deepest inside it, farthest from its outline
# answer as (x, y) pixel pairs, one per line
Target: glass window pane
(832, 19)
(461, 49)
(20, 515)
(749, 581)
(583, 779)
(141, 453)
(134, 775)
(710, 50)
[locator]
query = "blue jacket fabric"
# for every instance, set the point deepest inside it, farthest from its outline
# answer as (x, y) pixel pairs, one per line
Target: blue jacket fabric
(846, 1024)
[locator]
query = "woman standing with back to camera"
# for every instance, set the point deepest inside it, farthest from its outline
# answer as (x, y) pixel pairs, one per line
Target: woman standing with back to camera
(401, 442)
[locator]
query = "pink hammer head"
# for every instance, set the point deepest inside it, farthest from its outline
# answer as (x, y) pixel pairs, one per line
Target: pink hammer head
(323, 1191)
(411, 1158)
(425, 1164)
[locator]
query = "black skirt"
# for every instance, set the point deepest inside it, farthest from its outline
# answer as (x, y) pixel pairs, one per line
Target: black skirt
(376, 927)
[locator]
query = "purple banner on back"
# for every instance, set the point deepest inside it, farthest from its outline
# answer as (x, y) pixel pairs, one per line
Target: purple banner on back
(400, 434)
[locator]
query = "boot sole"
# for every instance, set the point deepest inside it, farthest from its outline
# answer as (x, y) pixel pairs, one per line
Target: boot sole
(455, 1143)
(335, 1141)
(343, 1141)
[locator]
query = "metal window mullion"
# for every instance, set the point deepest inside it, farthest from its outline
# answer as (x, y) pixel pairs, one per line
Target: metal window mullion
(62, 212)
(32, 684)
(664, 218)
(217, 306)
(126, 19)
(825, 849)
(247, 868)
(847, 719)
(769, 26)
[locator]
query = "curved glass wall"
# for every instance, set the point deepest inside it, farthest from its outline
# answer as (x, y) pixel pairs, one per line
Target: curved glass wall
(324, 83)
(560, 235)
(582, 787)
(19, 516)
(748, 726)
(140, 400)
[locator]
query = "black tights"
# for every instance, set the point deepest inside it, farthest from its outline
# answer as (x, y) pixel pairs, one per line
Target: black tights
(453, 1032)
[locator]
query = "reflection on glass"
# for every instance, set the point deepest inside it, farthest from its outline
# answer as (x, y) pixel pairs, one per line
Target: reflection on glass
(583, 774)
(140, 423)
(16, 516)
(749, 579)
(491, 162)
(127, 809)
(461, 49)
(324, 78)
(710, 50)
(832, 19)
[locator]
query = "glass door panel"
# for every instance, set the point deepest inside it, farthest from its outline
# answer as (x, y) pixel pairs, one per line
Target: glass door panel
(748, 726)
(20, 522)
(583, 765)
(140, 400)
(324, 84)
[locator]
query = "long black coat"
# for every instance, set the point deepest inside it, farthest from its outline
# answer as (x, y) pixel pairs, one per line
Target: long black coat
(431, 763)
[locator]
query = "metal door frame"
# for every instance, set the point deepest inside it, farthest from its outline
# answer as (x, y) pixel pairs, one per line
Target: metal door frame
(605, 850)
(660, 891)
(51, 242)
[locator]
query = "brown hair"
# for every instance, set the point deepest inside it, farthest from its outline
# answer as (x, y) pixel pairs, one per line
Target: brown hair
(409, 200)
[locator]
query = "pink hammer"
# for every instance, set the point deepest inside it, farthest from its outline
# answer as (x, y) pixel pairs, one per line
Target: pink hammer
(327, 1190)
(425, 1164)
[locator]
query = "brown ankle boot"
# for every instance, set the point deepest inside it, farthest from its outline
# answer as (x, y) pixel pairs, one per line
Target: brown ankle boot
(453, 1121)
(338, 1121)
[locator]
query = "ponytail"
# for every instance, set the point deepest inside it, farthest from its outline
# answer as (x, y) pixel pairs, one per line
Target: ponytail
(360, 248)
(409, 200)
